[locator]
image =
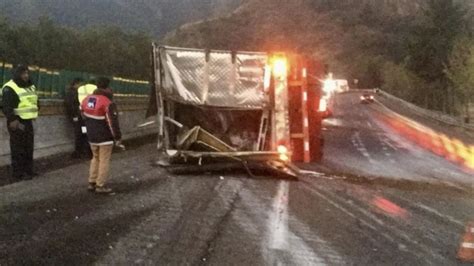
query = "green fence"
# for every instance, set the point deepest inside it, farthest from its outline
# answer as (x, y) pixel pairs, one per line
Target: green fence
(52, 84)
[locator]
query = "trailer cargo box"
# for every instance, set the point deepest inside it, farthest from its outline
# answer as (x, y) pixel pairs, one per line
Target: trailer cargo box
(218, 107)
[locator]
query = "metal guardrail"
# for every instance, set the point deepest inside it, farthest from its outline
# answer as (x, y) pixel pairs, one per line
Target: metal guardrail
(51, 84)
(437, 116)
(50, 107)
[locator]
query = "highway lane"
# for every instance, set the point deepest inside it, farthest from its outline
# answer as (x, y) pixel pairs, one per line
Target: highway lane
(359, 141)
(232, 219)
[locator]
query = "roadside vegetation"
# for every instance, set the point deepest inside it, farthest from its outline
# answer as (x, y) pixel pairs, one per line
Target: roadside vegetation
(102, 50)
(417, 50)
(420, 50)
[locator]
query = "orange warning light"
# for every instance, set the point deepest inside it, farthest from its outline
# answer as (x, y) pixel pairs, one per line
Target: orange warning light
(279, 66)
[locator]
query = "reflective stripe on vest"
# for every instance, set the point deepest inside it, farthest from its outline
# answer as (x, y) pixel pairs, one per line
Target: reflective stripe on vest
(28, 105)
(84, 91)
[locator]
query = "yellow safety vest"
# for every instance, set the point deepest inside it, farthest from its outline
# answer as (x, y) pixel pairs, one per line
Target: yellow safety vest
(84, 91)
(28, 106)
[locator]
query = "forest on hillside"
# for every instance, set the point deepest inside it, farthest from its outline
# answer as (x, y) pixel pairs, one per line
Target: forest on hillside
(154, 17)
(420, 50)
(101, 50)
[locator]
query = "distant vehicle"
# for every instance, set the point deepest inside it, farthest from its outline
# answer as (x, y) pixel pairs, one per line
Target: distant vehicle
(367, 98)
(341, 85)
(333, 86)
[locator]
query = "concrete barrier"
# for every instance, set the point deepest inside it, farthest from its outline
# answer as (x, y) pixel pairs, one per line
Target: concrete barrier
(54, 134)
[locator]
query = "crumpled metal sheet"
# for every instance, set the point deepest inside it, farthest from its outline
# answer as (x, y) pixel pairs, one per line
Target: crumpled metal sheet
(189, 78)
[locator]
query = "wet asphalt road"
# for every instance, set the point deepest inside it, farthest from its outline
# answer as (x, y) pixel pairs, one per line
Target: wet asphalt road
(365, 213)
(360, 141)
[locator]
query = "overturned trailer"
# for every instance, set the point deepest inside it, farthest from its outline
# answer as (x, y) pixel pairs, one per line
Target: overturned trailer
(218, 109)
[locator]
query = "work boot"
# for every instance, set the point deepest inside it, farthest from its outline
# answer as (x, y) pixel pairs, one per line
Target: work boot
(103, 190)
(91, 187)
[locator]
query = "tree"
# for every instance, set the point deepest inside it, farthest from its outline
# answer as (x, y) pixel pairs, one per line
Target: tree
(4, 29)
(460, 72)
(401, 82)
(101, 50)
(432, 41)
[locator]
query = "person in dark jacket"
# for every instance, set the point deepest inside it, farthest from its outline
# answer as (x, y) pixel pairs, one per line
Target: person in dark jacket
(103, 131)
(20, 106)
(71, 101)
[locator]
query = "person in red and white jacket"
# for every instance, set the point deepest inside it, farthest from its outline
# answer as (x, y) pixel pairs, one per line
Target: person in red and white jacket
(103, 131)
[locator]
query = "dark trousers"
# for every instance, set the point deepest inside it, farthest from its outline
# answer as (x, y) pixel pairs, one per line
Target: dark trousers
(81, 144)
(21, 147)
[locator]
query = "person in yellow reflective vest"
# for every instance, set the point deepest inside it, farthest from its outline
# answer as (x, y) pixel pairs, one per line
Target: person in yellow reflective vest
(20, 106)
(86, 90)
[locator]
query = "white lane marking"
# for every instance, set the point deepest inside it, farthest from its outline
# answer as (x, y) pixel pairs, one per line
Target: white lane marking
(278, 223)
(365, 153)
(297, 248)
(435, 212)
(386, 142)
(391, 145)
(361, 147)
